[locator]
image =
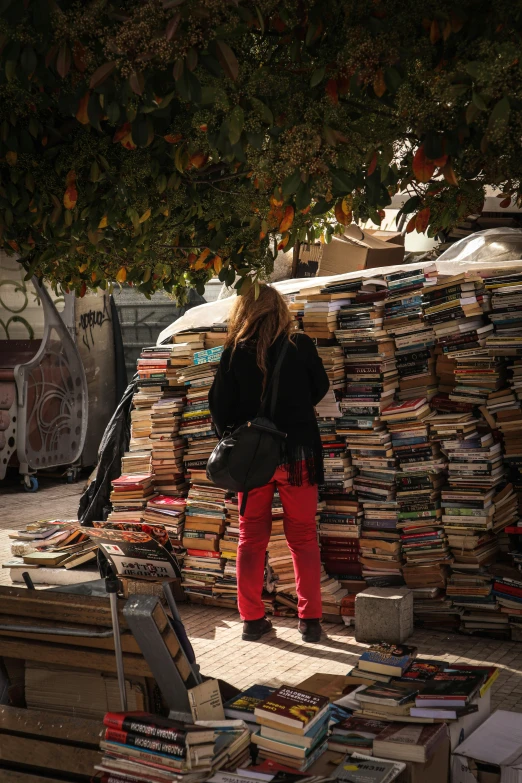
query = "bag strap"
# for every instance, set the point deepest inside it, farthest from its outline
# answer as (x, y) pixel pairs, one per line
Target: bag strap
(273, 384)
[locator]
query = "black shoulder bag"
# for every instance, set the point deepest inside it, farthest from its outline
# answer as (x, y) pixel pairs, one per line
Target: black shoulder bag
(248, 457)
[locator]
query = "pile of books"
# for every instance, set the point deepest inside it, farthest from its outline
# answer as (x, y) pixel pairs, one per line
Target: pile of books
(204, 528)
(168, 513)
(48, 550)
(129, 497)
(339, 533)
(145, 747)
(196, 423)
(168, 446)
(293, 725)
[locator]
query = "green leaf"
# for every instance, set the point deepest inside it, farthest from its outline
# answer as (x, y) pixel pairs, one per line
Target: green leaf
(473, 69)
(140, 132)
(28, 59)
(262, 110)
(63, 61)
(227, 59)
(410, 206)
(303, 195)
(478, 101)
(94, 173)
(101, 73)
(236, 121)
(392, 79)
(113, 112)
(161, 183)
(261, 20)
(291, 183)
(342, 182)
(317, 76)
(500, 114)
(10, 70)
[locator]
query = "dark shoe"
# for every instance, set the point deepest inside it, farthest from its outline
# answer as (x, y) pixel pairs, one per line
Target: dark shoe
(255, 629)
(310, 630)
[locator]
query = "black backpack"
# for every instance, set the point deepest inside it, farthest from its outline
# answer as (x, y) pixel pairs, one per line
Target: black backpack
(248, 457)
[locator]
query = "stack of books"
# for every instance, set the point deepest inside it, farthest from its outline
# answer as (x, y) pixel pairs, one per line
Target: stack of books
(403, 318)
(339, 530)
(48, 550)
(293, 726)
(332, 357)
(129, 497)
(196, 423)
(226, 585)
(169, 513)
(204, 528)
(168, 447)
(145, 747)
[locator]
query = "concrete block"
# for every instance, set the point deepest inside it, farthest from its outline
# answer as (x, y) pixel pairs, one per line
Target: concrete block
(384, 614)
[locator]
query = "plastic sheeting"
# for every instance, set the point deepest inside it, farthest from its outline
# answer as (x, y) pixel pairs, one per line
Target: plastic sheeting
(493, 249)
(94, 503)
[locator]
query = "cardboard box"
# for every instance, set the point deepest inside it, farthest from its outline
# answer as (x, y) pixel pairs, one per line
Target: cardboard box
(492, 753)
(463, 727)
(357, 250)
(434, 770)
(393, 237)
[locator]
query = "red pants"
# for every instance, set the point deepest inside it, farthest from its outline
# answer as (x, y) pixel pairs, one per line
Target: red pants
(299, 506)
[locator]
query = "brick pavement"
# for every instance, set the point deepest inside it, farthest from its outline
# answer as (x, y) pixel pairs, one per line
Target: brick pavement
(280, 657)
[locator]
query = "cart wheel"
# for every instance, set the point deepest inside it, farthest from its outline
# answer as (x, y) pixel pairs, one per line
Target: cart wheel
(33, 484)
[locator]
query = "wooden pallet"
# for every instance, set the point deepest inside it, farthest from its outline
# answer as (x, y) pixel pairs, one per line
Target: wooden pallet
(35, 745)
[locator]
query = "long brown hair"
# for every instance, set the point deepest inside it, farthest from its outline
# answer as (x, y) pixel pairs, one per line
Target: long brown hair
(259, 322)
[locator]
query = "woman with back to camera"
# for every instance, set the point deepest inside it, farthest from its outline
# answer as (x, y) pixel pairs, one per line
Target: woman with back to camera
(257, 330)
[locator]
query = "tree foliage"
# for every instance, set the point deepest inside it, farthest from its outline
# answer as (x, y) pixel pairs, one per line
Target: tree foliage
(164, 141)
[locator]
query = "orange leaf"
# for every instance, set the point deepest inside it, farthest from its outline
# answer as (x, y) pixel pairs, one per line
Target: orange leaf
(449, 174)
(331, 91)
(411, 224)
(11, 157)
(200, 263)
(173, 138)
(340, 214)
(434, 32)
(122, 132)
(81, 114)
(198, 159)
(217, 263)
(306, 210)
(379, 85)
(70, 197)
(127, 142)
(122, 275)
(70, 178)
(275, 202)
(103, 222)
(191, 258)
(287, 220)
(506, 202)
(441, 161)
(422, 220)
(373, 164)
(422, 167)
(13, 244)
(284, 242)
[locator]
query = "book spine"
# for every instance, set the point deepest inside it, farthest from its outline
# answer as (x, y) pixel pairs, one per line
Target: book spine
(147, 743)
(115, 720)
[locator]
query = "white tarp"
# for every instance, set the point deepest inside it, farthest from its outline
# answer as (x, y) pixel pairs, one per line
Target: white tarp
(490, 251)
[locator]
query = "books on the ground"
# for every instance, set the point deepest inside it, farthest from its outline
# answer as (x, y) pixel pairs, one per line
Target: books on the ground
(292, 708)
(388, 659)
(409, 742)
(241, 707)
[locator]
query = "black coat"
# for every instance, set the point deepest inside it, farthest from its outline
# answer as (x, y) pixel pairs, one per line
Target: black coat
(235, 397)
